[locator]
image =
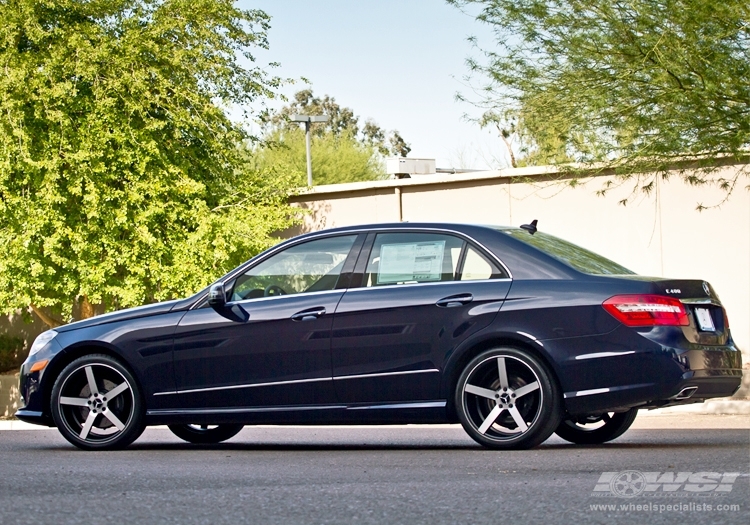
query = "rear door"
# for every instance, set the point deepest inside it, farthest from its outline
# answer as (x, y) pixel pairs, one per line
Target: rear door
(419, 295)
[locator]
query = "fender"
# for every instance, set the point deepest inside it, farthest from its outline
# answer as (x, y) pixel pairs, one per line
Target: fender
(487, 338)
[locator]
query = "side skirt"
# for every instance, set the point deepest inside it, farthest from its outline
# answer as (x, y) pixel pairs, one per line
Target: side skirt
(422, 412)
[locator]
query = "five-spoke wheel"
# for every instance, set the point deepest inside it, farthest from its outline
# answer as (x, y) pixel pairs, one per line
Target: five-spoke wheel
(506, 398)
(96, 404)
(205, 434)
(598, 428)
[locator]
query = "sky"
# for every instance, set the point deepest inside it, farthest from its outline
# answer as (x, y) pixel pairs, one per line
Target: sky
(398, 62)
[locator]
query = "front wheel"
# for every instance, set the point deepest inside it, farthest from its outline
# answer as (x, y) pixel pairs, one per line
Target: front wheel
(506, 399)
(96, 404)
(595, 429)
(205, 434)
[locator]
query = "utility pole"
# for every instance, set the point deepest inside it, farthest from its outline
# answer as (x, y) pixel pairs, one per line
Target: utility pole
(309, 119)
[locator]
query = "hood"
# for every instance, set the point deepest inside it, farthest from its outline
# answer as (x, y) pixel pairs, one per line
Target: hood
(120, 315)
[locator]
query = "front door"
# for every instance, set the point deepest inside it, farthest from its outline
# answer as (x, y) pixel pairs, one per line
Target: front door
(281, 355)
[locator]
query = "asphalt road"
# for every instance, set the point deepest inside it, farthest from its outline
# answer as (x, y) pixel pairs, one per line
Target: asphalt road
(373, 475)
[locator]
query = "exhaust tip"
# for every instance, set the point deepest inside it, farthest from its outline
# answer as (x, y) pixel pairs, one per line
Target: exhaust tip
(685, 393)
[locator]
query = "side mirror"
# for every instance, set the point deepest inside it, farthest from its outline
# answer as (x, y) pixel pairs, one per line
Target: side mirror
(217, 297)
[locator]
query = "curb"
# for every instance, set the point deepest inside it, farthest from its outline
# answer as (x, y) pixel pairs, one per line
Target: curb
(722, 407)
(15, 424)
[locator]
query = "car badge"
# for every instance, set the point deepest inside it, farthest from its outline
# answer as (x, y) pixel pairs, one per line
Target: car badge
(706, 288)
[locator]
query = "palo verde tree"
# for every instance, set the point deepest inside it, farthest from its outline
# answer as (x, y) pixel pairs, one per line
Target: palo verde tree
(639, 87)
(121, 176)
(343, 151)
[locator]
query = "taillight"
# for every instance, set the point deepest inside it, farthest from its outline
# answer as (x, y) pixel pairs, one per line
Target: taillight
(647, 310)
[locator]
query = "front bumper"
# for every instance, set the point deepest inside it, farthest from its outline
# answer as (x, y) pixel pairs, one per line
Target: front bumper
(36, 386)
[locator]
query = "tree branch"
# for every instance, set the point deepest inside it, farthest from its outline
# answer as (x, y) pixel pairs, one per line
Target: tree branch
(46, 319)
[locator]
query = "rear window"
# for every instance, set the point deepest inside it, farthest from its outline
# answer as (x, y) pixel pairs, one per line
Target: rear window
(569, 253)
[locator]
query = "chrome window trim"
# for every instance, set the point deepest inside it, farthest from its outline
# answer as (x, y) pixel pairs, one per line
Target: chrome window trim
(449, 231)
(259, 299)
(375, 230)
(433, 283)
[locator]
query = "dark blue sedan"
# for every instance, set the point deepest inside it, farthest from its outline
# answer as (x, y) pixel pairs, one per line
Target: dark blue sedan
(514, 333)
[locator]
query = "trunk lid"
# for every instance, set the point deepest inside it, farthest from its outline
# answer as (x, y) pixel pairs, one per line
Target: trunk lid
(708, 319)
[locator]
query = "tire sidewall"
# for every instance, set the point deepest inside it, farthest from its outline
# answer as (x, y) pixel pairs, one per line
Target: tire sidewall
(133, 427)
(206, 437)
(545, 422)
(613, 429)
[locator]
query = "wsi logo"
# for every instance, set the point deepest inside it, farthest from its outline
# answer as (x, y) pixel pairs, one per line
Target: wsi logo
(632, 483)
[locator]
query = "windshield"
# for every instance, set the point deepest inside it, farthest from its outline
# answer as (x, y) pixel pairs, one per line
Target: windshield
(569, 253)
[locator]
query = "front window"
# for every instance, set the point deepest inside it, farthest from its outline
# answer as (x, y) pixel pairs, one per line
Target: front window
(312, 266)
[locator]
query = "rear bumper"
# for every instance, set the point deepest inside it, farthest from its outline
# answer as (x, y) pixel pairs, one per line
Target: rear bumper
(646, 373)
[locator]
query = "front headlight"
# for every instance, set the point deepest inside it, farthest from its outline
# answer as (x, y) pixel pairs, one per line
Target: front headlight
(41, 340)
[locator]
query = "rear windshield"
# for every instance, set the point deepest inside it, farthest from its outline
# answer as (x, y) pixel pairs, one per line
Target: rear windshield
(567, 252)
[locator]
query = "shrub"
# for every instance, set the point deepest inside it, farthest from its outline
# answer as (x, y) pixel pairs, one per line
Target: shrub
(12, 353)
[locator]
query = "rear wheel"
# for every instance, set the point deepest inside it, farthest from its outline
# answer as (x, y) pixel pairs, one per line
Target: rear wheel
(595, 429)
(506, 399)
(205, 434)
(96, 404)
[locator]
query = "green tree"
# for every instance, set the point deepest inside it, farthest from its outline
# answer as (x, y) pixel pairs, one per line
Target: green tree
(342, 150)
(336, 157)
(641, 87)
(121, 179)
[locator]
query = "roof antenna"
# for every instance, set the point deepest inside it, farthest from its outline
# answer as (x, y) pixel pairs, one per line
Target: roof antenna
(531, 228)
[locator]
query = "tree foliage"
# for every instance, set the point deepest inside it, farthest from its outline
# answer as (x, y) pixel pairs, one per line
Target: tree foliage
(341, 121)
(336, 157)
(342, 151)
(639, 86)
(121, 179)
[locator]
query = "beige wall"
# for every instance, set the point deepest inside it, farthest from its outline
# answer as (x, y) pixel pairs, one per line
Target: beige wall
(660, 234)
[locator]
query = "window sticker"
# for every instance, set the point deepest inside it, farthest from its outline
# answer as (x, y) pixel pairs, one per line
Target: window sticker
(407, 262)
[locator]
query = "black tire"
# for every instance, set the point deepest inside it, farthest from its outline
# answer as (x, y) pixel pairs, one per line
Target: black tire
(592, 430)
(205, 434)
(96, 404)
(493, 409)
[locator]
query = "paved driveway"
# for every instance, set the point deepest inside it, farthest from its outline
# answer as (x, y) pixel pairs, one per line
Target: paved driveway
(414, 474)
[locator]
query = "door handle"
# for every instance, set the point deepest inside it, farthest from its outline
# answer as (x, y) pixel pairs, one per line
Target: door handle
(310, 314)
(455, 300)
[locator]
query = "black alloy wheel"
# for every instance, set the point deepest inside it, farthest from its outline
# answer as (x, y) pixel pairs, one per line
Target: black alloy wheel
(595, 429)
(96, 404)
(205, 434)
(507, 399)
